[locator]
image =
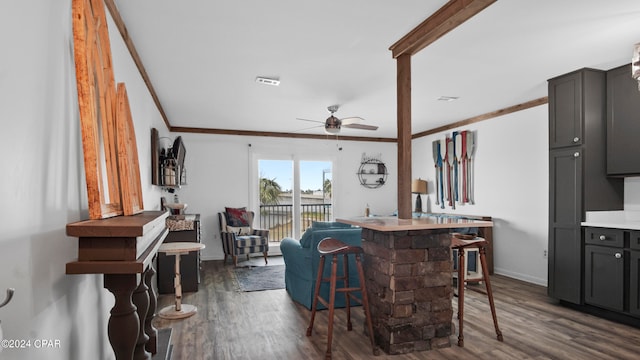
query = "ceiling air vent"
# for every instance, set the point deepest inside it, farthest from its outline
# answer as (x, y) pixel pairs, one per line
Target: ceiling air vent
(267, 81)
(447, 98)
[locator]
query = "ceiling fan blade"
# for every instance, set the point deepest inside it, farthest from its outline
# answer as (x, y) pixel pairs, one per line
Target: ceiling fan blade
(351, 120)
(360, 126)
(321, 122)
(308, 128)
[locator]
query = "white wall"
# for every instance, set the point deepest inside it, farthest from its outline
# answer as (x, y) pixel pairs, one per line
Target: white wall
(218, 174)
(511, 185)
(43, 186)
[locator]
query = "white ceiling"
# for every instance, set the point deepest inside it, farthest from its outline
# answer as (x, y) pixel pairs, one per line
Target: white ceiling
(203, 56)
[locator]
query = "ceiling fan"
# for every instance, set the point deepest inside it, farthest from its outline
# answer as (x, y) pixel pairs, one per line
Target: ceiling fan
(333, 125)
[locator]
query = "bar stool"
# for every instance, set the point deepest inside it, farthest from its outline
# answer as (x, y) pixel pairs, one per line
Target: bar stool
(179, 310)
(335, 247)
(461, 246)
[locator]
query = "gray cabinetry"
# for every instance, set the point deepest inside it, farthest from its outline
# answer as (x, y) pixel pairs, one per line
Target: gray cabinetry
(565, 117)
(603, 278)
(604, 268)
(634, 273)
(623, 122)
(577, 172)
(634, 283)
(565, 199)
(611, 270)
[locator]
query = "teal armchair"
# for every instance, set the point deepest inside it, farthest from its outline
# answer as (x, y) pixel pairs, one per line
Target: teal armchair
(302, 259)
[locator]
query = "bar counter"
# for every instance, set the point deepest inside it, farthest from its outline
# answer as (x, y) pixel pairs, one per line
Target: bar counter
(392, 223)
(408, 270)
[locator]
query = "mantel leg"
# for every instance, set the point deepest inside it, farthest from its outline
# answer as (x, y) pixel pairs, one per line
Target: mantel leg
(149, 329)
(141, 301)
(123, 325)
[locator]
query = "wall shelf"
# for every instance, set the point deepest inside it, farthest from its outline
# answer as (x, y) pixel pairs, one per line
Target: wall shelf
(372, 174)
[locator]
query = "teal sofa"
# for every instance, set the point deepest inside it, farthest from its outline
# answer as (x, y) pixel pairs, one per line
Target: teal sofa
(302, 259)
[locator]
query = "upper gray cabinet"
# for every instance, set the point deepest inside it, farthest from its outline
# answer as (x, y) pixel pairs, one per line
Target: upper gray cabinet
(565, 114)
(623, 123)
(577, 109)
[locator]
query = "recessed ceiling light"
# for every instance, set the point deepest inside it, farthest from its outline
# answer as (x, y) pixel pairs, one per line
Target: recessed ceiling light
(447, 98)
(267, 81)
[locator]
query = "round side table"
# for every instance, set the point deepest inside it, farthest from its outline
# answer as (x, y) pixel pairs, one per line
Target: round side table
(179, 310)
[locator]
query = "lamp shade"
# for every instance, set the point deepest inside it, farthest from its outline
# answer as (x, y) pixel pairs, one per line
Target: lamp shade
(419, 186)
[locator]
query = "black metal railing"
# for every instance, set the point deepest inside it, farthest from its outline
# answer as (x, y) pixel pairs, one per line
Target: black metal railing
(279, 219)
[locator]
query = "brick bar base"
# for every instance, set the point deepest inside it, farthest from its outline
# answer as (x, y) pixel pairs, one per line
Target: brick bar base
(408, 278)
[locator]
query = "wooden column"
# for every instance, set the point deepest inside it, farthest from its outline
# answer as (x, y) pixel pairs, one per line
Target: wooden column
(404, 135)
(447, 18)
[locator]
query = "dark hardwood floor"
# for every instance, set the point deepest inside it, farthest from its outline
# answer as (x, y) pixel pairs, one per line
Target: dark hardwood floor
(269, 325)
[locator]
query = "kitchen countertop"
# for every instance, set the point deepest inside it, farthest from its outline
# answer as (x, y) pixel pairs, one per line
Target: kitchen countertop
(392, 223)
(613, 219)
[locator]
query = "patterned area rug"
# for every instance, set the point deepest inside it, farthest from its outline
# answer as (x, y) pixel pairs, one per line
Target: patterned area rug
(258, 278)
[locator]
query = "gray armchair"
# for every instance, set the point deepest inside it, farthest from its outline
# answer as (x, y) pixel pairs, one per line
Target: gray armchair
(240, 238)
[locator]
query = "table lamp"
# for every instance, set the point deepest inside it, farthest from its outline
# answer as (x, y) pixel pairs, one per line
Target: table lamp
(418, 187)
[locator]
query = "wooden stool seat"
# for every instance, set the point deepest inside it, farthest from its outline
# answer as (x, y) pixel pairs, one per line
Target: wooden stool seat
(334, 247)
(461, 246)
(331, 246)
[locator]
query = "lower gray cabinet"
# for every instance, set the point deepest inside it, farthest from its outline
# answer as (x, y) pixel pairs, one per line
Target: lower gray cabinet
(612, 270)
(634, 283)
(604, 277)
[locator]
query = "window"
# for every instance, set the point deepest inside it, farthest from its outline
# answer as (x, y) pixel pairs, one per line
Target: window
(292, 194)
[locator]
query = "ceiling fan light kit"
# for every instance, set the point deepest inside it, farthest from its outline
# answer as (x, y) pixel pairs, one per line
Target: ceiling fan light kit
(332, 125)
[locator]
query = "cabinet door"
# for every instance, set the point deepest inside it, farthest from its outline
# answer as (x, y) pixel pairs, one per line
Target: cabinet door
(634, 240)
(565, 214)
(604, 277)
(565, 110)
(634, 286)
(623, 122)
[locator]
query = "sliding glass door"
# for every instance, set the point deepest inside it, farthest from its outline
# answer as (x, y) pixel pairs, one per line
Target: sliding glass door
(292, 194)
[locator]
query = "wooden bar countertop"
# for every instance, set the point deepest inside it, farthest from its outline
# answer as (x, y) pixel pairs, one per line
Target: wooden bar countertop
(392, 223)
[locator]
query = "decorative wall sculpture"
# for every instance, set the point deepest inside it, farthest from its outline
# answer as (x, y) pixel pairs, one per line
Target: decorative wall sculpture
(97, 105)
(453, 160)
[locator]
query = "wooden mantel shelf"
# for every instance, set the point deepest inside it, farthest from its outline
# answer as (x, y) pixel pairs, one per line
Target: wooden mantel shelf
(119, 226)
(118, 245)
(122, 249)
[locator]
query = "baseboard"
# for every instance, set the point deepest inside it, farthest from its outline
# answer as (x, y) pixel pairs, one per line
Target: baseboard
(522, 277)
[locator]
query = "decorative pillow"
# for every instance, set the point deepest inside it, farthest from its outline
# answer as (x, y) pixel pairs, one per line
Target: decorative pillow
(307, 237)
(237, 217)
(329, 225)
(242, 230)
